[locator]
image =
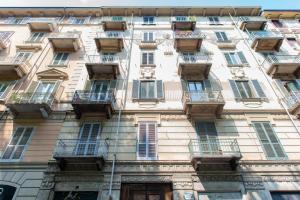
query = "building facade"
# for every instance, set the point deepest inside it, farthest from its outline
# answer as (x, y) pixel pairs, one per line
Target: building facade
(149, 103)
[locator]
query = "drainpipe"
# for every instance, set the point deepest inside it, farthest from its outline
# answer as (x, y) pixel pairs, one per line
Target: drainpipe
(124, 86)
(264, 73)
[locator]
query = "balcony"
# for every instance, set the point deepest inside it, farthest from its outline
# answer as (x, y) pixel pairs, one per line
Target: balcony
(183, 23)
(265, 41)
(293, 103)
(282, 65)
(206, 103)
(111, 41)
(188, 40)
(29, 45)
(65, 42)
(80, 154)
(214, 154)
(85, 101)
(13, 68)
(42, 24)
(30, 103)
(252, 23)
(98, 65)
(115, 23)
(198, 64)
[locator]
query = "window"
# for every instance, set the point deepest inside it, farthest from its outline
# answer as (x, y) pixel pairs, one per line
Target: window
(247, 89)
(189, 57)
(148, 37)
(214, 21)
(181, 18)
(60, 59)
(5, 35)
(147, 58)
(18, 143)
(22, 56)
(108, 57)
(7, 192)
(87, 139)
(146, 147)
(149, 20)
(221, 36)
(278, 24)
(15, 20)
(3, 88)
(147, 90)
(78, 20)
(269, 141)
(294, 43)
(285, 195)
(42, 92)
(235, 58)
(36, 37)
(100, 90)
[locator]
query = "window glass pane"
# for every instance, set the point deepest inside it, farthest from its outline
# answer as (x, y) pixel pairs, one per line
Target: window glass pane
(248, 89)
(18, 152)
(151, 92)
(143, 89)
(151, 58)
(243, 93)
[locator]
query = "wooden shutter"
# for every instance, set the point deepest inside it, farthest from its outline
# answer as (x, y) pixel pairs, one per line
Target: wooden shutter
(135, 89)
(147, 140)
(142, 140)
(144, 58)
(269, 140)
(281, 87)
(242, 57)
(159, 89)
(228, 58)
(258, 89)
(235, 89)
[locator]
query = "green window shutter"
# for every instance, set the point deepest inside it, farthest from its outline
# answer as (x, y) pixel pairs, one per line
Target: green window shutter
(258, 89)
(151, 140)
(142, 141)
(88, 85)
(144, 58)
(228, 58)
(159, 89)
(281, 87)
(242, 57)
(271, 145)
(235, 89)
(135, 89)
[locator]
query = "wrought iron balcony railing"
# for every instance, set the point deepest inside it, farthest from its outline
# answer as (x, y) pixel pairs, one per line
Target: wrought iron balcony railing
(197, 58)
(110, 34)
(253, 18)
(203, 97)
(278, 59)
(188, 35)
(292, 99)
(89, 97)
(64, 35)
(102, 59)
(214, 147)
(264, 34)
(31, 98)
(183, 19)
(42, 19)
(81, 148)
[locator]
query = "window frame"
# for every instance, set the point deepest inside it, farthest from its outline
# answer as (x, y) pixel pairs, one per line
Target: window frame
(235, 56)
(214, 20)
(148, 22)
(59, 61)
(148, 58)
(25, 146)
(148, 89)
(223, 35)
(147, 141)
(36, 37)
(147, 34)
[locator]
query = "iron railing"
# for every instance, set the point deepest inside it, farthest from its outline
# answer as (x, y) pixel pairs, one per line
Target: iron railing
(81, 148)
(203, 97)
(4, 40)
(114, 19)
(31, 98)
(253, 18)
(214, 146)
(292, 99)
(15, 61)
(264, 34)
(110, 34)
(188, 34)
(89, 97)
(42, 19)
(61, 35)
(278, 59)
(102, 59)
(184, 19)
(197, 58)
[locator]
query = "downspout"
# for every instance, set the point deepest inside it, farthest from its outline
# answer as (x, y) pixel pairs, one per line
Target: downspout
(123, 106)
(264, 73)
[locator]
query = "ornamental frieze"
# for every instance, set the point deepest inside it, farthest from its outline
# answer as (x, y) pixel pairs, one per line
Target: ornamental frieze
(145, 179)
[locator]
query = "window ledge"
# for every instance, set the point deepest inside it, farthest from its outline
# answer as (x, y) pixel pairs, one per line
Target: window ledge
(62, 65)
(147, 100)
(252, 100)
(148, 65)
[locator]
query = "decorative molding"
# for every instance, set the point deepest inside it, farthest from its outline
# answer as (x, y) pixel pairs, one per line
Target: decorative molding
(216, 177)
(183, 185)
(48, 182)
(147, 72)
(253, 183)
(145, 179)
(238, 73)
(281, 178)
(52, 74)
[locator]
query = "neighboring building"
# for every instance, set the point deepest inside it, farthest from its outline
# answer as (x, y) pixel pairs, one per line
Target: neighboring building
(149, 103)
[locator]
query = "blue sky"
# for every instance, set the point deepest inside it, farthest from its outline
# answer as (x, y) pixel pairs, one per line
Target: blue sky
(266, 4)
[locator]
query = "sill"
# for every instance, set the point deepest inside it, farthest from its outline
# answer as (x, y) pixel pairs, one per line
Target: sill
(146, 159)
(146, 100)
(148, 24)
(148, 65)
(252, 100)
(238, 65)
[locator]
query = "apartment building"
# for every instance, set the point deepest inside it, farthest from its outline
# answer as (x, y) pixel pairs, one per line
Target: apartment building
(144, 103)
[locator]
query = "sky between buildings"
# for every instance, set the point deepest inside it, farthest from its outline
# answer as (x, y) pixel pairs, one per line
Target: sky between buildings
(265, 4)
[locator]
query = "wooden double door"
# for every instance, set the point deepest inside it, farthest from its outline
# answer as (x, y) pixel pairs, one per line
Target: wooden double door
(147, 191)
